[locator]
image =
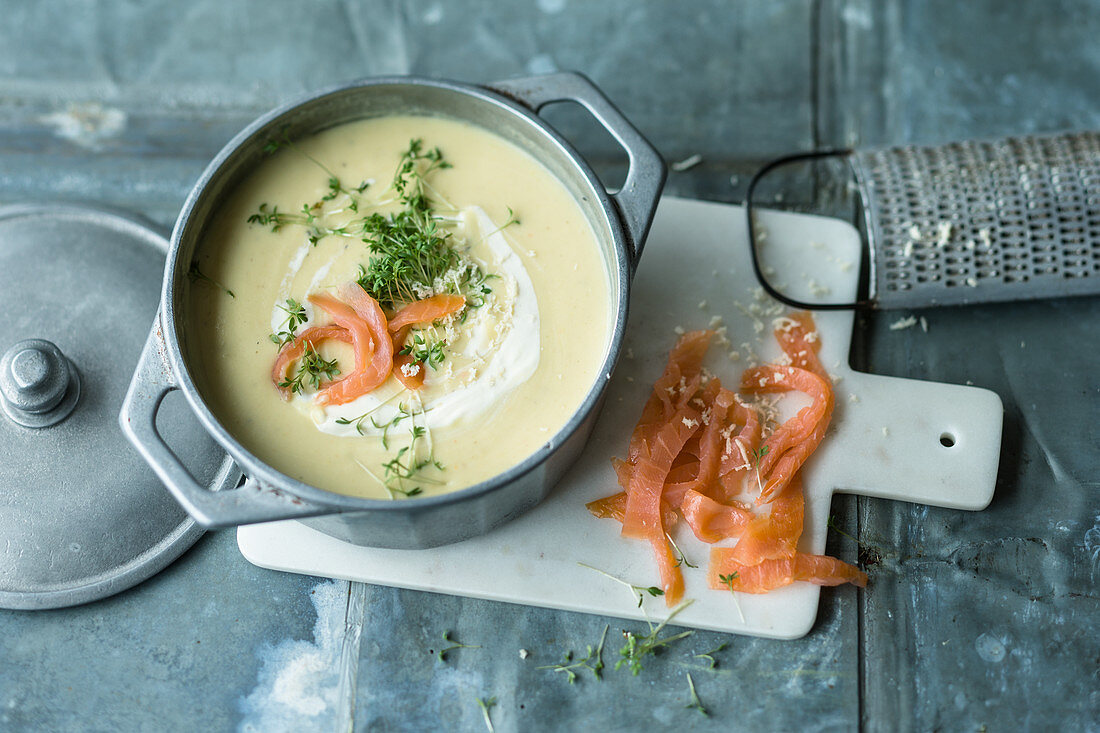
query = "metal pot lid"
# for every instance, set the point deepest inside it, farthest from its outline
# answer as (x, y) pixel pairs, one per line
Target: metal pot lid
(81, 515)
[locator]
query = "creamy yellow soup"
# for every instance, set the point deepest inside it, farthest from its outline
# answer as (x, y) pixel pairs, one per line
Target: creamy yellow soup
(513, 369)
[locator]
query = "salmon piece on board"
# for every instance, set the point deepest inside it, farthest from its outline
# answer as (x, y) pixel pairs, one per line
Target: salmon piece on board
(642, 518)
(793, 441)
(673, 388)
(711, 521)
(774, 535)
(771, 574)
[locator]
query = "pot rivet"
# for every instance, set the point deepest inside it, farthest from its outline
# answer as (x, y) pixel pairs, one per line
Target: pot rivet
(39, 386)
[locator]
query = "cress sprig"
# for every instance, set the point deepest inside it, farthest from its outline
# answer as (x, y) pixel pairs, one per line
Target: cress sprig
(592, 661)
(295, 316)
(402, 474)
(312, 369)
(639, 646)
(428, 351)
(694, 702)
(638, 590)
(454, 644)
(197, 275)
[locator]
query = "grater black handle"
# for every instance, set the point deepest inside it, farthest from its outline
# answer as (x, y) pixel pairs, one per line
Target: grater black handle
(757, 267)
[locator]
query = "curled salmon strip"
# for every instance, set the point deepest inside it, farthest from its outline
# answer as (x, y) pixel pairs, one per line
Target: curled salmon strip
(680, 475)
(771, 574)
(614, 507)
(793, 442)
(408, 370)
(642, 517)
(361, 315)
(678, 479)
(673, 388)
(774, 535)
(711, 521)
(671, 392)
(797, 336)
(647, 479)
(426, 311)
(737, 450)
(715, 406)
(293, 350)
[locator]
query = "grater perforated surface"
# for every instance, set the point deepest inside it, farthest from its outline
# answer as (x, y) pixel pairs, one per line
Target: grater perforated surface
(974, 222)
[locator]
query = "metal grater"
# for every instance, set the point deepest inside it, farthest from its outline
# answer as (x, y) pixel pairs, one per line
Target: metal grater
(978, 221)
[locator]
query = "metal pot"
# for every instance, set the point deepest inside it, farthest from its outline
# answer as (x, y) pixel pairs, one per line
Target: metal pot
(510, 109)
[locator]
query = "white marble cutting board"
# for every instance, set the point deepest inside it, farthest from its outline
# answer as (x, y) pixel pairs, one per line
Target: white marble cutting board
(885, 441)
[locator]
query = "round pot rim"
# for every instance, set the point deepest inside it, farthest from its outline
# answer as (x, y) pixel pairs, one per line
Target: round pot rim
(264, 474)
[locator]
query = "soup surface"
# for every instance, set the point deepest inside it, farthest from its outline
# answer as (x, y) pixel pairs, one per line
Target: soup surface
(404, 210)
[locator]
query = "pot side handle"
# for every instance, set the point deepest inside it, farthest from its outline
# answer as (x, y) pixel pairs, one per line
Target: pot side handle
(219, 505)
(645, 177)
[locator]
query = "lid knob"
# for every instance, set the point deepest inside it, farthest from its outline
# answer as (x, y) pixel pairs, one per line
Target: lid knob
(38, 385)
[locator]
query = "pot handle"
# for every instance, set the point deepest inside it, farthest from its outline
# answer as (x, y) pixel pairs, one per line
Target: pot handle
(645, 177)
(217, 505)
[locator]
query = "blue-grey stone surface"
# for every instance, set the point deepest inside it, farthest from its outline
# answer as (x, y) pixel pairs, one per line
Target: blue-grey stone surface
(972, 621)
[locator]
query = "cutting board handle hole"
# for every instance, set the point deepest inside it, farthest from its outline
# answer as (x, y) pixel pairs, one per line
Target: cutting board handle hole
(947, 440)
